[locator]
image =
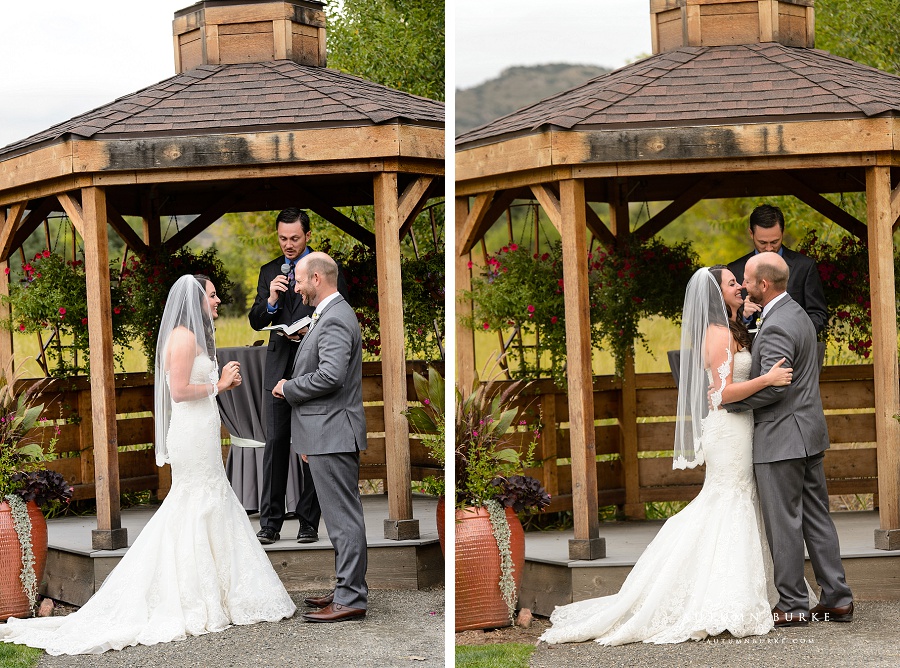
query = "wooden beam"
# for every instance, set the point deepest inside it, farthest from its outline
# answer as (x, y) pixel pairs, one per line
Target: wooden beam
(598, 228)
(73, 210)
(884, 347)
(40, 209)
(393, 358)
(468, 234)
(109, 534)
(205, 219)
(634, 509)
(573, 231)
(895, 207)
(334, 216)
(675, 208)
(150, 217)
(619, 217)
(465, 337)
(6, 341)
(123, 229)
(827, 208)
(9, 227)
(412, 200)
(549, 201)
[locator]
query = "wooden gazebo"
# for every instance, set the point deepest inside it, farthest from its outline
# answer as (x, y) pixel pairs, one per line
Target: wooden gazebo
(735, 102)
(252, 121)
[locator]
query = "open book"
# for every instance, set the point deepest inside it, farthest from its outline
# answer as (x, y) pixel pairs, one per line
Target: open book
(294, 327)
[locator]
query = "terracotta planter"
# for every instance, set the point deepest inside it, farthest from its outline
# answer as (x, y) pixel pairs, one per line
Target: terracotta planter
(13, 599)
(479, 603)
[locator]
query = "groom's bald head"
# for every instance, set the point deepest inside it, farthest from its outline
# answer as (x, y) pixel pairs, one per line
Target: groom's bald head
(765, 277)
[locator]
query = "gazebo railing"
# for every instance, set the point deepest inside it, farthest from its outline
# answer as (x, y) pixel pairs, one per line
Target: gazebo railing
(850, 464)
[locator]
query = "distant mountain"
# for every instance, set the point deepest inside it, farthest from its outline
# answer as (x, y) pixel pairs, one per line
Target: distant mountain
(517, 87)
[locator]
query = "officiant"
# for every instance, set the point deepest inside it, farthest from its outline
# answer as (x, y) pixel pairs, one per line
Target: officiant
(277, 303)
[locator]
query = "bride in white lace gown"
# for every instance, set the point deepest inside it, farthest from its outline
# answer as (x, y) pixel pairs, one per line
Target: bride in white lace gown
(709, 568)
(197, 566)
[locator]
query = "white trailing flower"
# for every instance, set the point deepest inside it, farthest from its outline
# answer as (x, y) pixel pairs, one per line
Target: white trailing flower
(500, 529)
(22, 525)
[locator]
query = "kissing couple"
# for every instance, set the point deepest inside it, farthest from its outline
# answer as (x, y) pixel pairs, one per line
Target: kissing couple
(749, 409)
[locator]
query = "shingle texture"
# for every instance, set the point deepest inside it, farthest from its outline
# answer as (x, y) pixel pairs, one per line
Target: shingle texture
(747, 83)
(242, 98)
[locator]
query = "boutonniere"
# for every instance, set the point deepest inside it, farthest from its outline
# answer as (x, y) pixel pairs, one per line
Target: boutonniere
(315, 316)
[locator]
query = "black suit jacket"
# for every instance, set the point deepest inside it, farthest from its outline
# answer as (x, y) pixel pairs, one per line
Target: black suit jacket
(281, 350)
(804, 285)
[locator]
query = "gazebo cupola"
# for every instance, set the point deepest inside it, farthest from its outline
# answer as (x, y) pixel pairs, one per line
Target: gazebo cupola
(678, 23)
(227, 32)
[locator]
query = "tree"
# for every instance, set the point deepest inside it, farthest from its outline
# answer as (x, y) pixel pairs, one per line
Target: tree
(397, 43)
(862, 30)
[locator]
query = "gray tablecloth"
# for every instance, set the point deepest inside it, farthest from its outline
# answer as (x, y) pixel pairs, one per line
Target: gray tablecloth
(243, 414)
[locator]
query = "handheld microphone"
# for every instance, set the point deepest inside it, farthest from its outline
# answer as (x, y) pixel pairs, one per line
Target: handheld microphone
(285, 269)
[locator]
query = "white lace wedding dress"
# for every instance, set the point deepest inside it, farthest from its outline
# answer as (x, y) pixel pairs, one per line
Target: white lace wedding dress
(196, 567)
(709, 568)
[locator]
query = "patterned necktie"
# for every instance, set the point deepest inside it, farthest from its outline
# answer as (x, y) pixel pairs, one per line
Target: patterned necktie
(291, 276)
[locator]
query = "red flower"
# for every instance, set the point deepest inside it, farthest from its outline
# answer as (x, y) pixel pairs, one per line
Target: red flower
(27, 268)
(530, 308)
(62, 311)
(21, 328)
(84, 321)
(554, 320)
(117, 310)
(484, 325)
(469, 264)
(46, 253)
(514, 247)
(37, 256)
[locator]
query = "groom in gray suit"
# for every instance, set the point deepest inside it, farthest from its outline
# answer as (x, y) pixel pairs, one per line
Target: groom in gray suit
(789, 442)
(328, 421)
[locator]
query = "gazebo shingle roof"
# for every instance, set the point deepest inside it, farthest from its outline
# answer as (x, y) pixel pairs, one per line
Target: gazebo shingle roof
(691, 85)
(242, 98)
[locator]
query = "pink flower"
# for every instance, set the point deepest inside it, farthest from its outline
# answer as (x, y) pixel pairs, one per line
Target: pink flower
(46, 253)
(62, 311)
(469, 264)
(514, 247)
(21, 328)
(530, 308)
(426, 402)
(486, 326)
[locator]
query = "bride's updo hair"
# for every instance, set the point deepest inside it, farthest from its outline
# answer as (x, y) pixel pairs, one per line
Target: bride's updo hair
(738, 328)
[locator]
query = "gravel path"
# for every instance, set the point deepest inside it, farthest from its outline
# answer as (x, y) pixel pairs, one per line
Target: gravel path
(870, 641)
(402, 628)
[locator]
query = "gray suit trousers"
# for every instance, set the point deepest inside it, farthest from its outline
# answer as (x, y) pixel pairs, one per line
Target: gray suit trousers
(794, 503)
(336, 476)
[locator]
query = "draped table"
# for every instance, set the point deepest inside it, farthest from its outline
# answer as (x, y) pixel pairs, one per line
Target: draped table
(243, 413)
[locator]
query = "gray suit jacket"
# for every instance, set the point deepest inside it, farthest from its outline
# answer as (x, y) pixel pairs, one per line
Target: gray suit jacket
(325, 389)
(789, 422)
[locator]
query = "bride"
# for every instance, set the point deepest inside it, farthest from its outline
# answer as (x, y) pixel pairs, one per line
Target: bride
(709, 569)
(197, 566)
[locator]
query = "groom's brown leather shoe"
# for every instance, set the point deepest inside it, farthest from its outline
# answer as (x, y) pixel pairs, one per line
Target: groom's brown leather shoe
(822, 614)
(320, 601)
(334, 612)
(783, 619)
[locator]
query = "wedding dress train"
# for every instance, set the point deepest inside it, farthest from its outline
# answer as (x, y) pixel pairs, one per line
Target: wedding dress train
(196, 567)
(709, 568)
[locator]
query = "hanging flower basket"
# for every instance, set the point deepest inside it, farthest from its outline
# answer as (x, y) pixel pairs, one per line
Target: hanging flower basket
(14, 599)
(480, 603)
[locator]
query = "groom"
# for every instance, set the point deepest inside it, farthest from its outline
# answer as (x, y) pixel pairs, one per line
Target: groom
(789, 442)
(328, 423)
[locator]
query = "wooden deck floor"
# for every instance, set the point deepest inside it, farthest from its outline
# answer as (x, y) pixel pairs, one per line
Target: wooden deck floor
(551, 579)
(75, 570)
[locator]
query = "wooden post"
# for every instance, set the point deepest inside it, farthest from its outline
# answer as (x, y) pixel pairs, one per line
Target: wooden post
(400, 524)
(6, 340)
(884, 353)
(620, 224)
(109, 534)
(587, 543)
(465, 337)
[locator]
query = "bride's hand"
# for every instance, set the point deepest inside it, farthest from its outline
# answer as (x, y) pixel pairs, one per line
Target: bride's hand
(778, 375)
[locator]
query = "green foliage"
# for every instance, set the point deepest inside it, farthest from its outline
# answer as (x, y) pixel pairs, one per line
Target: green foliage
(844, 270)
(19, 656)
(862, 30)
(505, 655)
(52, 297)
(523, 291)
(487, 428)
(149, 278)
(397, 43)
(429, 419)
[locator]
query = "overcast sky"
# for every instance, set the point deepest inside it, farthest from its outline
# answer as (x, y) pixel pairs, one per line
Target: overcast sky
(492, 35)
(60, 58)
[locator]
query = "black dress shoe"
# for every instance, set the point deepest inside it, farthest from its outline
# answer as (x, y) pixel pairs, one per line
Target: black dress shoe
(307, 533)
(822, 614)
(268, 535)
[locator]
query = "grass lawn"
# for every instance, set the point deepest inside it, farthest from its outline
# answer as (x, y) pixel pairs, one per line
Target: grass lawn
(19, 656)
(511, 655)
